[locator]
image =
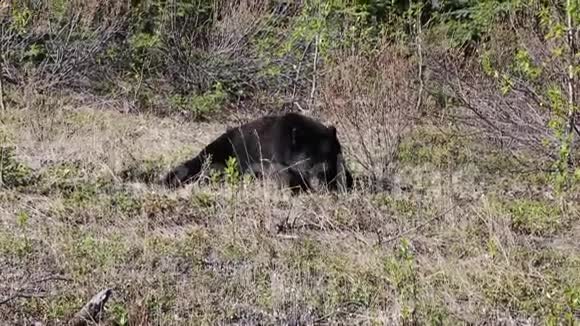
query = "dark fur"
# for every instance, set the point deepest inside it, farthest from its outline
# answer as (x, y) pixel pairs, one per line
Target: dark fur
(291, 146)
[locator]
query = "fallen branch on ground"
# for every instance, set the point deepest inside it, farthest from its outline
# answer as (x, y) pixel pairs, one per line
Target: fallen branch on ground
(92, 311)
(30, 291)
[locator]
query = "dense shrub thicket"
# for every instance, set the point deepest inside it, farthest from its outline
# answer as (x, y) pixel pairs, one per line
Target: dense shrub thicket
(191, 55)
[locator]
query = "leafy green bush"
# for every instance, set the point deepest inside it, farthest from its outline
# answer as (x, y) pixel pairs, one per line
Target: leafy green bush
(12, 172)
(201, 106)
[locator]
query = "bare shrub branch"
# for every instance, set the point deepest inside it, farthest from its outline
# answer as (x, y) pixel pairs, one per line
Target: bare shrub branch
(515, 121)
(372, 97)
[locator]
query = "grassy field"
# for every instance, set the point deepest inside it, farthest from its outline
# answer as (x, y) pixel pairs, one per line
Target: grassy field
(464, 242)
(448, 115)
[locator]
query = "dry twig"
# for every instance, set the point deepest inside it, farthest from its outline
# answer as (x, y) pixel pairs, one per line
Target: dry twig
(420, 226)
(29, 290)
(2, 106)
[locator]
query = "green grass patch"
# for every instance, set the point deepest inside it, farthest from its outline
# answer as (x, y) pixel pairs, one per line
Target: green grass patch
(147, 171)
(13, 245)
(535, 217)
(424, 147)
(89, 253)
(552, 297)
(399, 206)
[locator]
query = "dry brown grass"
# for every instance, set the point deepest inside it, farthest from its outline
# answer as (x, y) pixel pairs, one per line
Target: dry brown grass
(462, 247)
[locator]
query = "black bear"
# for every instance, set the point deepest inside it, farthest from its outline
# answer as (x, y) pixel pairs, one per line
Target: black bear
(292, 147)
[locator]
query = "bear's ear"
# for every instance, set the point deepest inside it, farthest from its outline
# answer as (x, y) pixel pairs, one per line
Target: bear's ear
(333, 130)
